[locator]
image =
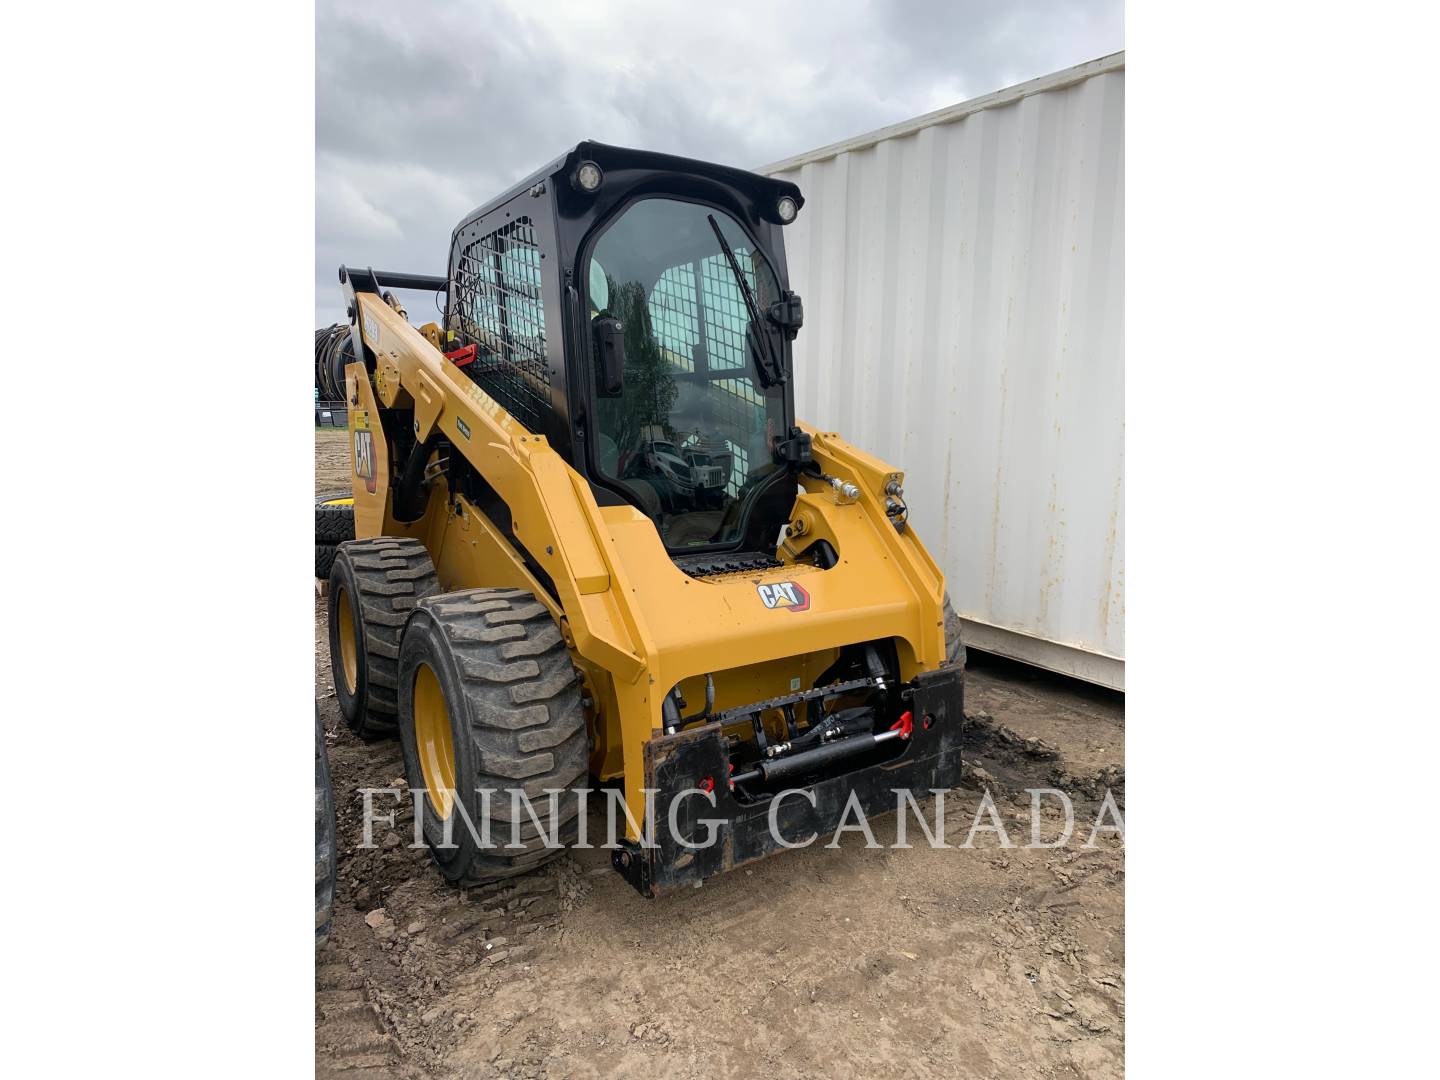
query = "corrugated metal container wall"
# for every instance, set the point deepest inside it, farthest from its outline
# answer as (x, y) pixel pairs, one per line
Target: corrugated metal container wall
(963, 278)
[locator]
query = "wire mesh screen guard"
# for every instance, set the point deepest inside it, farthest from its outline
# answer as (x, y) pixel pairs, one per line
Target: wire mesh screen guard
(502, 314)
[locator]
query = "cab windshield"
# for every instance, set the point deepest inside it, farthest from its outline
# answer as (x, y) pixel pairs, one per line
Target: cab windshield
(691, 434)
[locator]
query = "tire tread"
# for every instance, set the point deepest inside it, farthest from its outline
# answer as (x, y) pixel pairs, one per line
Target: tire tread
(526, 726)
(391, 575)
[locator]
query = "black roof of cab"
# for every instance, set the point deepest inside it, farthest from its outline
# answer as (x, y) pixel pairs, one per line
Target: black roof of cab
(763, 190)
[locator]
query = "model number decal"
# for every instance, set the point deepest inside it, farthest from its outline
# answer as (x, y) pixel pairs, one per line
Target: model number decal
(784, 594)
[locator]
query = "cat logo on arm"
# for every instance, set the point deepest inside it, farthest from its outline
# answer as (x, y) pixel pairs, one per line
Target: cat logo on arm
(784, 594)
(364, 451)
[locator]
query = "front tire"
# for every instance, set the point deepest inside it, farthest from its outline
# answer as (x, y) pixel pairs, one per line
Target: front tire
(490, 701)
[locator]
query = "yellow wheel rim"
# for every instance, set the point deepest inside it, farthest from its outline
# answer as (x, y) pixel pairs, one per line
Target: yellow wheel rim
(349, 665)
(349, 500)
(433, 743)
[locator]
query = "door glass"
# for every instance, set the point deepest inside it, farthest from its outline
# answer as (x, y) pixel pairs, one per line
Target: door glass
(692, 434)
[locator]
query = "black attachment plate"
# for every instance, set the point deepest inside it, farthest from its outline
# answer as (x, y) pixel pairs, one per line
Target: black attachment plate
(687, 760)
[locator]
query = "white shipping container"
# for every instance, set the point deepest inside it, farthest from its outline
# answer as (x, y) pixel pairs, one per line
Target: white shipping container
(964, 282)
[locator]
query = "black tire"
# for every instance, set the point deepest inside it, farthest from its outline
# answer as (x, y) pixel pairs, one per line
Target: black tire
(322, 337)
(511, 699)
(342, 354)
(325, 340)
(324, 560)
(954, 646)
(334, 520)
(325, 853)
(376, 583)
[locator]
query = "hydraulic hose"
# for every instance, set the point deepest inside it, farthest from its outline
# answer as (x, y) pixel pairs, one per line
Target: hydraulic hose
(410, 495)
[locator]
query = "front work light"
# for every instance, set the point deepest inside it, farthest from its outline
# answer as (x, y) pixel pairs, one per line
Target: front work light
(786, 209)
(588, 177)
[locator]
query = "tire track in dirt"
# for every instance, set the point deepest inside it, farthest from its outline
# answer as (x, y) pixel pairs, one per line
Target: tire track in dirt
(351, 1042)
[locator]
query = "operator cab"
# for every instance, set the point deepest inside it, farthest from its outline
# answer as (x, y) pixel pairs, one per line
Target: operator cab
(634, 309)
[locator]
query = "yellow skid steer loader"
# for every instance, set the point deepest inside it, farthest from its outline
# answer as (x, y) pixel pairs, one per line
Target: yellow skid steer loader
(594, 546)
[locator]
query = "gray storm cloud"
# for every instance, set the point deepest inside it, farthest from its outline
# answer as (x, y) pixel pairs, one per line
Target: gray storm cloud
(424, 111)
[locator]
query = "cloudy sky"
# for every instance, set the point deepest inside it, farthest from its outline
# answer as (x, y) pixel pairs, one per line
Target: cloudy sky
(426, 110)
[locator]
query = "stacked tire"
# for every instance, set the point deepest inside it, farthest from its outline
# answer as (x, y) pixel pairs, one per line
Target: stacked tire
(334, 524)
(333, 351)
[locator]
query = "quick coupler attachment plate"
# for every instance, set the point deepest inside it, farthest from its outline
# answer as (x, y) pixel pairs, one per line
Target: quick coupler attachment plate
(688, 839)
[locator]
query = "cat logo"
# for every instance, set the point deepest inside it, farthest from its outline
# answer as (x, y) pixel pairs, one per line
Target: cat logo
(365, 459)
(784, 594)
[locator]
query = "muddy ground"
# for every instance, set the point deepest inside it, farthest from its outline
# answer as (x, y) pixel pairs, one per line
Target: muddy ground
(987, 962)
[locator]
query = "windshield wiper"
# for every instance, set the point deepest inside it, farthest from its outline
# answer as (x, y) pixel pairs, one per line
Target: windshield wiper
(769, 365)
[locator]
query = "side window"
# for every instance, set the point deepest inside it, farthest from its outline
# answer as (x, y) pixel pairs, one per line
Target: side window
(704, 331)
(673, 317)
(726, 318)
(710, 321)
(502, 313)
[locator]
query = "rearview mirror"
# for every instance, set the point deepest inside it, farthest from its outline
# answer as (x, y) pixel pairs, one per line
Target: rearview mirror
(788, 313)
(609, 356)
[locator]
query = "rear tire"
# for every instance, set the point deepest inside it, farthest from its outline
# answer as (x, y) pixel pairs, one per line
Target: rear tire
(488, 688)
(374, 584)
(324, 560)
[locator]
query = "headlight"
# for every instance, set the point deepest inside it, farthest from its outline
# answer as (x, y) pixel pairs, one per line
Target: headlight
(786, 209)
(588, 177)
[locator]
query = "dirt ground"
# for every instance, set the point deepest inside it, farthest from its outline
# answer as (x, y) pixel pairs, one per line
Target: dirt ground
(332, 460)
(981, 962)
